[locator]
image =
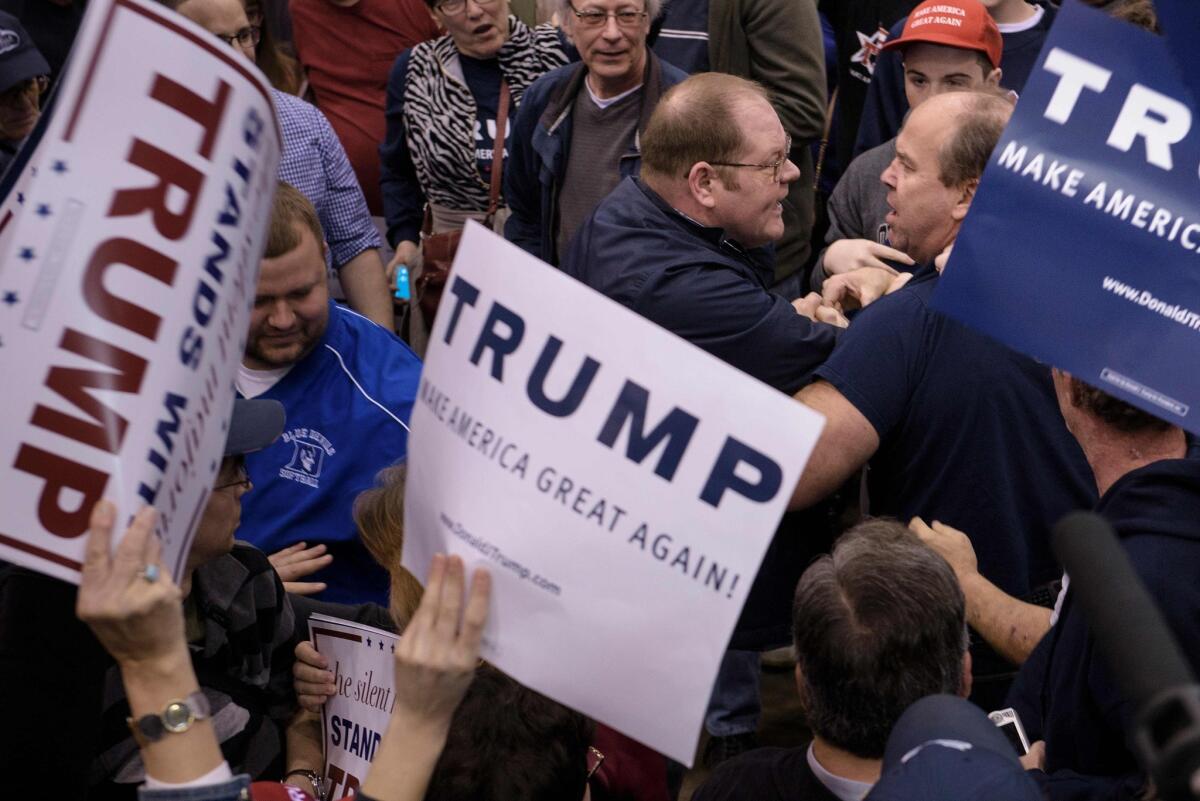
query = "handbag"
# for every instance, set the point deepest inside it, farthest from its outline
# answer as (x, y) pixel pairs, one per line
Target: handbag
(437, 250)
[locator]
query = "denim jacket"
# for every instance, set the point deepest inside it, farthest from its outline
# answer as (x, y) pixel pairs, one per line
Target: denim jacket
(236, 789)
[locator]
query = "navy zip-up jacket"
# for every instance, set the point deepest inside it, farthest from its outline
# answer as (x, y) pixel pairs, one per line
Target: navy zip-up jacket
(696, 283)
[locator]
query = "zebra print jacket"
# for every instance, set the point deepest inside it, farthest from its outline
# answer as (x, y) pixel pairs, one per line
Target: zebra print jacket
(429, 149)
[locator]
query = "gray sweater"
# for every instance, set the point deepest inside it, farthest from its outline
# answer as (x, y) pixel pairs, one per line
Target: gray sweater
(858, 205)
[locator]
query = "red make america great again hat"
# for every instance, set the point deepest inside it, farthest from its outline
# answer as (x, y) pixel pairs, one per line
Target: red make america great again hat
(964, 24)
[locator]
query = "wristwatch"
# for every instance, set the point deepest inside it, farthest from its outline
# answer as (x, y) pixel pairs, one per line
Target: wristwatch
(176, 718)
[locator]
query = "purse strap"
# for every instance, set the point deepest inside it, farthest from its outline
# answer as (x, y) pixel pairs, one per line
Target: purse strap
(498, 153)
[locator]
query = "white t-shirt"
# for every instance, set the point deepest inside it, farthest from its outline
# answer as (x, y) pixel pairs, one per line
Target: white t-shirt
(252, 383)
(1023, 25)
(605, 102)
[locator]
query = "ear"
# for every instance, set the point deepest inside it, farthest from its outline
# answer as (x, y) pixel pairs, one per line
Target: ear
(993, 77)
(702, 182)
(963, 205)
(964, 689)
(799, 674)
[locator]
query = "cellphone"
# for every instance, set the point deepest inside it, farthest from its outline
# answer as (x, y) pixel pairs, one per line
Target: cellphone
(403, 292)
(1009, 722)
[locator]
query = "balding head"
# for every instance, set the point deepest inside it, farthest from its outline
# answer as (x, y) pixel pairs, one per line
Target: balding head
(698, 120)
(975, 122)
(940, 154)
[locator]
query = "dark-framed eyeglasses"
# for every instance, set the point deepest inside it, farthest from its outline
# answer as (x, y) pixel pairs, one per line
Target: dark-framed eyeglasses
(776, 167)
(36, 85)
(452, 7)
(595, 760)
(246, 37)
(242, 480)
(595, 18)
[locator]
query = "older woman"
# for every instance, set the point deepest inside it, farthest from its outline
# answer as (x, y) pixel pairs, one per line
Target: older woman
(443, 98)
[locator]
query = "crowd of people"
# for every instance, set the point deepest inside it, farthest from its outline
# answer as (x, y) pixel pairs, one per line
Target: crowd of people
(778, 183)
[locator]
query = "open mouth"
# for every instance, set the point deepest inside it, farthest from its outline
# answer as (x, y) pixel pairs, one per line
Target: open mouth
(482, 29)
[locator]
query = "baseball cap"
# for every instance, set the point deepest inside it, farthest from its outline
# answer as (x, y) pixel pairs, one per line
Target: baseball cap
(944, 748)
(254, 425)
(964, 24)
(20, 59)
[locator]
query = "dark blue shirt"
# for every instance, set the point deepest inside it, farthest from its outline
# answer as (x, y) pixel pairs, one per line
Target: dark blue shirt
(683, 35)
(970, 433)
(483, 79)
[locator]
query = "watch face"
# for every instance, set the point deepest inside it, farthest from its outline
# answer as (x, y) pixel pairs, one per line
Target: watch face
(177, 717)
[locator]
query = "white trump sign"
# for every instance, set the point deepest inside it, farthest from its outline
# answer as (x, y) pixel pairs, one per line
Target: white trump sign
(130, 249)
(620, 484)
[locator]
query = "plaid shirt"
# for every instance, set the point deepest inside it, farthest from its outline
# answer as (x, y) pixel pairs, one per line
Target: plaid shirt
(243, 660)
(314, 162)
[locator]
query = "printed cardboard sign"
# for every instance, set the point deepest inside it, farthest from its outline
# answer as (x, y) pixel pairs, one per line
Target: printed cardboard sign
(620, 484)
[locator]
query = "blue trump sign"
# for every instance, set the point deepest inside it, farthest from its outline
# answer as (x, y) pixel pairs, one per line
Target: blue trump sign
(1082, 247)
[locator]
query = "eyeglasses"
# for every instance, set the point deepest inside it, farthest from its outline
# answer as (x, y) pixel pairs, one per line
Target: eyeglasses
(595, 18)
(452, 7)
(246, 37)
(36, 85)
(775, 166)
(243, 480)
(596, 759)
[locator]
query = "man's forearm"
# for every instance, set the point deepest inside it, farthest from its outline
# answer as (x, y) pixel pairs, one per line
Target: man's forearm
(366, 288)
(1009, 625)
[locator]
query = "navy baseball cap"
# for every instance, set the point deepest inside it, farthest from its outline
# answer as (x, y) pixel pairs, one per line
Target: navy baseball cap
(20, 59)
(945, 749)
(253, 426)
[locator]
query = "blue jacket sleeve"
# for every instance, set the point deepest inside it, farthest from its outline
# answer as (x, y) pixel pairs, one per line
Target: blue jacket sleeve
(886, 103)
(403, 200)
(522, 188)
(232, 790)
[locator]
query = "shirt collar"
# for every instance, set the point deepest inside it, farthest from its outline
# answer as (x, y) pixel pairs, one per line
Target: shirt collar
(709, 233)
(844, 789)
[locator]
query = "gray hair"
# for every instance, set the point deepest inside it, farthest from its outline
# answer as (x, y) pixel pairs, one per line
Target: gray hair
(878, 624)
(565, 17)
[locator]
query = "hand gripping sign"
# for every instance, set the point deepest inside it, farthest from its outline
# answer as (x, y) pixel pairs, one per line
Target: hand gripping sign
(356, 715)
(130, 257)
(1082, 246)
(620, 484)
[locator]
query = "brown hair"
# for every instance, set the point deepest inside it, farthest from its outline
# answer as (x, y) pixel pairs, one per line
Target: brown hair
(1136, 12)
(281, 69)
(379, 515)
(508, 742)
(695, 121)
(980, 124)
(1113, 412)
(290, 207)
(878, 624)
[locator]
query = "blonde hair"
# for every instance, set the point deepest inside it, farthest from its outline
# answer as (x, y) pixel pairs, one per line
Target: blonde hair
(379, 515)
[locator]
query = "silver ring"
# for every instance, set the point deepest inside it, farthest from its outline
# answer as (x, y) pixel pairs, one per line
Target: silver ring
(150, 573)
